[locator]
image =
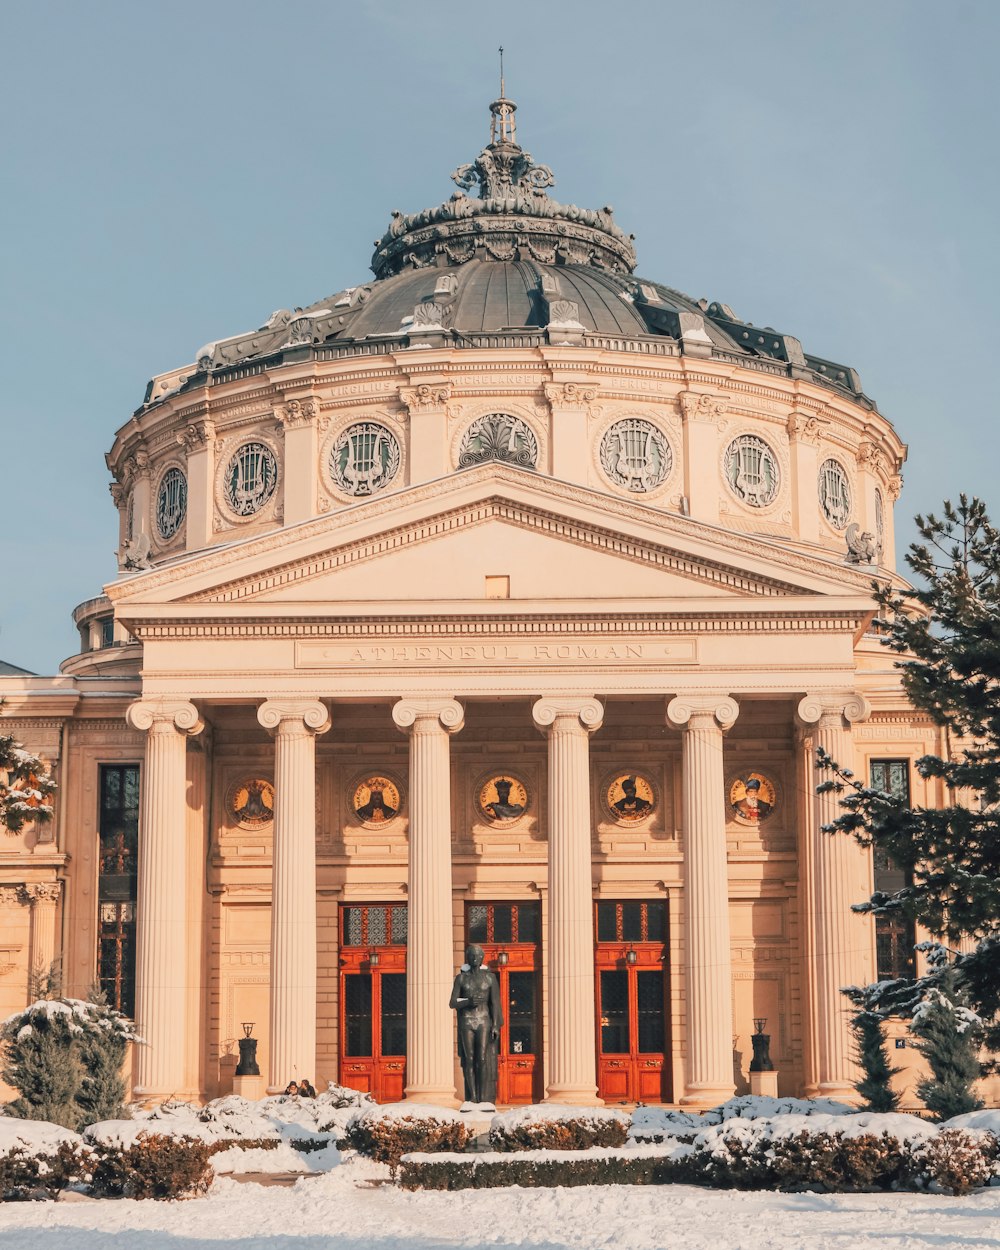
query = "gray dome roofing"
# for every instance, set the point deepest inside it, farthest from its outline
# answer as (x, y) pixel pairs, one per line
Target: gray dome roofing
(510, 267)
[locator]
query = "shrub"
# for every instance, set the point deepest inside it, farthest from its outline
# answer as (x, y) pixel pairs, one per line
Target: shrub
(483, 1172)
(24, 1174)
(577, 1130)
(387, 1135)
(953, 1161)
(154, 1166)
(827, 1162)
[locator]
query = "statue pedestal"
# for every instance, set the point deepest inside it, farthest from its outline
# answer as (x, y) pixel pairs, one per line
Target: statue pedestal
(764, 1084)
(251, 1087)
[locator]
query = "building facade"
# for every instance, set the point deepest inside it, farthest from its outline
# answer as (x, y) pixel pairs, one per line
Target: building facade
(503, 598)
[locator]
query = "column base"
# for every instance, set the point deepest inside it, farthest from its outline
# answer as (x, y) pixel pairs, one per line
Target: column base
(841, 1091)
(704, 1097)
(764, 1084)
(431, 1095)
(573, 1096)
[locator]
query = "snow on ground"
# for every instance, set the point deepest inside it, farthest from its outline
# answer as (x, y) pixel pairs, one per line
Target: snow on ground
(353, 1207)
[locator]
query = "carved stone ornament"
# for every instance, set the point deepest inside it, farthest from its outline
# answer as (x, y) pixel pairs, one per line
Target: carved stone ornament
(376, 800)
(250, 803)
(751, 471)
(635, 454)
(752, 798)
(499, 436)
(423, 397)
(895, 486)
(297, 412)
(702, 407)
(629, 798)
(834, 493)
(805, 428)
(870, 458)
(569, 394)
(364, 459)
(250, 479)
(501, 798)
(862, 547)
(193, 436)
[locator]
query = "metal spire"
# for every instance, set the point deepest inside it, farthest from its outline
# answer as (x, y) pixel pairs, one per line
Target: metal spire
(503, 128)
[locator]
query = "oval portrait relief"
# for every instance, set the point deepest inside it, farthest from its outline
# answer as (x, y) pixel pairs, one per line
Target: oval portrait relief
(752, 798)
(251, 803)
(503, 797)
(630, 798)
(376, 800)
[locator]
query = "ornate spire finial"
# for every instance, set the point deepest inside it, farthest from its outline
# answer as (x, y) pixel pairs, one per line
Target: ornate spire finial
(503, 128)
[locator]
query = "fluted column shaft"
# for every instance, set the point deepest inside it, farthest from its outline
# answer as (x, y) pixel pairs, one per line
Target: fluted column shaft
(844, 944)
(430, 1066)
(708, 953)
(43, 899)
(568, 724)
(292, 1008)
(161, 911)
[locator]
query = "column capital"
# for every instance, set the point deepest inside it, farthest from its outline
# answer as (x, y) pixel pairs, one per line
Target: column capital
(836, 705)
(180, 715)
(587, 713)
(695, 709)
(308, 714)
(448, 713)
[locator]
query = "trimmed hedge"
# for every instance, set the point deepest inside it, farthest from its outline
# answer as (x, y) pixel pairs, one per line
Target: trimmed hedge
(387, 1138)
(154, 1166)
(954, 1161)
(26, 1175)
(510, 1131)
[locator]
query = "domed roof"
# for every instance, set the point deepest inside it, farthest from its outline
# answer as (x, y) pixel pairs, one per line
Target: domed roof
(509, 267)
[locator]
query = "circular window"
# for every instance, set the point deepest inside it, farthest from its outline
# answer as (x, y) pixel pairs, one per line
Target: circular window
(251, 476)
(751, 469)
(834, 493)
(171, 503)
(364, 459)
(499, 436)
(636, 455)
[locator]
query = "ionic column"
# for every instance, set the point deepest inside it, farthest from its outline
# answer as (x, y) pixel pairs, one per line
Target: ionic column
(708, 955)
(430, 1067)
(568, 724)
(294, 725)
(42, 898)
(161, 910)
(844, 942)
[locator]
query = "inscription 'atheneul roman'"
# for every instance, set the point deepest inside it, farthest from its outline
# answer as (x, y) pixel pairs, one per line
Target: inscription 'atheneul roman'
(538, 651)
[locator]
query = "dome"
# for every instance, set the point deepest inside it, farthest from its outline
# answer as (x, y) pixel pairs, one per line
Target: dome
(510, 266)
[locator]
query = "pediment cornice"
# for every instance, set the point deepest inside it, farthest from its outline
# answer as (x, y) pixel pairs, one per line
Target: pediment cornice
(707, 555)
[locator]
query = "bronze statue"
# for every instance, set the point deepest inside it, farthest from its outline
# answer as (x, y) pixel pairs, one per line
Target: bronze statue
(476, 998)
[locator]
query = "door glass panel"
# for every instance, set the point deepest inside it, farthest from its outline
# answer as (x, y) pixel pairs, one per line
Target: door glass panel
(502, 928)
(614, 1012)
(632, 922)
(358, 1014)
(649, 997)
(400, 918)
(527, 922)
(378, 930)
(521, 1012)
(353, 926)
(657, 930)
(477, 922)
(607, 927)
(393, 1013)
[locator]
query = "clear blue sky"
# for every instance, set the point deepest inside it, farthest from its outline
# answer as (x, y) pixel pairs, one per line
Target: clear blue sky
(174, 171)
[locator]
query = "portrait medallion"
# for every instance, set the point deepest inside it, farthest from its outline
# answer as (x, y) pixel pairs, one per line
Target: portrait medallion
(375, 800)
(629, 798)
(502, 798)
(752, 798)
(251, 803)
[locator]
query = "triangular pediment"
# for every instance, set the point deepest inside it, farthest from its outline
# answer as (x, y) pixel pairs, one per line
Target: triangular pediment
(440, 544)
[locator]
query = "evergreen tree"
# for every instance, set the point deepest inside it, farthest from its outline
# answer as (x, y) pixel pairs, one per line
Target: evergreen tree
(947, 631)
(26, 786)
(103, 1046)
(868, 1031)
(42, 1062)
(949, 1038)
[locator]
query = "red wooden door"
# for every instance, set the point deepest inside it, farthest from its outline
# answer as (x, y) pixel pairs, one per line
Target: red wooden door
(632, 1022)
(509, 936)
(373, 1000)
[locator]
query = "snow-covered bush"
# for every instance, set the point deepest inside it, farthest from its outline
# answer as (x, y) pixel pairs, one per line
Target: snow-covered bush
(536, 1169)
(656, 1124)
(388, 1132)
(558, 1128)
(64, 1056)
(953, 1161)
(153, 1166)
